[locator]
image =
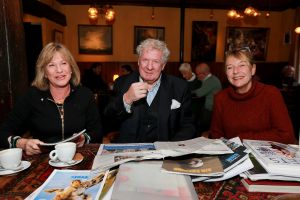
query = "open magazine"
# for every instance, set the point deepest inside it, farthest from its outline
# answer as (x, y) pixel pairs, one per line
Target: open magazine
(71, 184)
(276, 158)
(259, 173)
(69, 139)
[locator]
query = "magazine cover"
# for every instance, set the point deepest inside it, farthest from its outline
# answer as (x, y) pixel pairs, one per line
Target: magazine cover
(194, 165)
(71, 184)
(276, 158)
(145, 181)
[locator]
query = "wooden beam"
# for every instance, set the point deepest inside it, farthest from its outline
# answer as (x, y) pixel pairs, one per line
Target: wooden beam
(40, 9)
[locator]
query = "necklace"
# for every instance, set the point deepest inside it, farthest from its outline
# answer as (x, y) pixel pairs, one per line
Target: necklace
(60, 107)
(61, 97)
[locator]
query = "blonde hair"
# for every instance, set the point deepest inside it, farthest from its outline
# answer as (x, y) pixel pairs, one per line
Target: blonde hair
(45, 57)
(154, 44)
(241, 53)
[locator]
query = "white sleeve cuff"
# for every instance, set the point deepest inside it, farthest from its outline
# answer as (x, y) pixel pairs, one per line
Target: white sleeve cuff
(127, 106)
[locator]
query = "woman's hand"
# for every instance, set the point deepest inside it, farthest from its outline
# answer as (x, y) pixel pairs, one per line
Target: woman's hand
(30, 146)
(81, 140)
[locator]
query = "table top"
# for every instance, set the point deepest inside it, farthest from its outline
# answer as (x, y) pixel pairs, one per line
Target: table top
(22, 184)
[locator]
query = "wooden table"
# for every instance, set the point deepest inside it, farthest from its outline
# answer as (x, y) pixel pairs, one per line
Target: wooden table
(20, 185)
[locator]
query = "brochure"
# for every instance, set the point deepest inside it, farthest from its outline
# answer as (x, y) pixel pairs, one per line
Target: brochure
(71, 184)
(69, 139)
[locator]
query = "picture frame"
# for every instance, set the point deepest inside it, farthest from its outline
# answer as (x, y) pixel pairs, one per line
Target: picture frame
(58, 36)
(287, 38)
(144, 32)
(95, 39)
(204, 41)
(255, 38)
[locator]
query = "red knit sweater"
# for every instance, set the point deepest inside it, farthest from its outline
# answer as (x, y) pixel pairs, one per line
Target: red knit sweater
(259, 114)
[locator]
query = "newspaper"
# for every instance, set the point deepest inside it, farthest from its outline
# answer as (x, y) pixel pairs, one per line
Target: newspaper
(70, 184)
(276, 158)
(199, 145)
(110, 155)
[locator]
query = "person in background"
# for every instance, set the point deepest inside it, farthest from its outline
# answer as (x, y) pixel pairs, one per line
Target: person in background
(125, 69)
(150, 105)
(210, 86)
(187, 73)
(288, 77)
(249, 109)
(92, 79)
(55, 107)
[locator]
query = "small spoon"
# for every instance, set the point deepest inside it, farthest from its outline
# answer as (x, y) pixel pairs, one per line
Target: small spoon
(71, 162)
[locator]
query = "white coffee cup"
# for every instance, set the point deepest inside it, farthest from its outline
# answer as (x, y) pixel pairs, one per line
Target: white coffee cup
(11, 158)
(63, 151)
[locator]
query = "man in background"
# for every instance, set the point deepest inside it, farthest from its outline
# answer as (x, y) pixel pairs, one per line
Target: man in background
(187, 73)
(210, 86)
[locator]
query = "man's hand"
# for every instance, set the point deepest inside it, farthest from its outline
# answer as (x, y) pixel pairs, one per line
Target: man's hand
(30, 146)
(136, 92)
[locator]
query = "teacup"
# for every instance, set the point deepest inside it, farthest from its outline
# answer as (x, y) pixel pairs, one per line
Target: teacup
(63, 152)
(10, 158)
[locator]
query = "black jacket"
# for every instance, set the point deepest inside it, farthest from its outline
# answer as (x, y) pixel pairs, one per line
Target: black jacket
(37, 113)
(174, 124)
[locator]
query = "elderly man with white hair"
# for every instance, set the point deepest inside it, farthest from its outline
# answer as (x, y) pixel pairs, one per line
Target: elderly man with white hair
(187, 73)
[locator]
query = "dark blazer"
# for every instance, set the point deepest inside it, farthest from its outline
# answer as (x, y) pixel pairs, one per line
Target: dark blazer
(36, 112)
(174, 124)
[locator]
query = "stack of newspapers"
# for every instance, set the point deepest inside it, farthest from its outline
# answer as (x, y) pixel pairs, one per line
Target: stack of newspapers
(201, 158)
(276, 167)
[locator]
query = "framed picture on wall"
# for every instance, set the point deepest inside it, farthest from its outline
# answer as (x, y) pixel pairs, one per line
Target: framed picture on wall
(204, 40)
(143, 32)
(256, 39)
(57, 36)
(95, 39)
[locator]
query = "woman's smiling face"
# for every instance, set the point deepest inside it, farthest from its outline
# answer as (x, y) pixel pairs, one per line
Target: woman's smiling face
(239, 73)
(58, 71)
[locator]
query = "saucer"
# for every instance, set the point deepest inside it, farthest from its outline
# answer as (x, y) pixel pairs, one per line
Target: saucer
(63, 164)
(25, 164)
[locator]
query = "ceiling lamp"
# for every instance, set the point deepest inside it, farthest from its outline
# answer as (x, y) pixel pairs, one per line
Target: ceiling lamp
(93, 14)
(252, 12)
(297, 30)
(233, 14)
(107, 12)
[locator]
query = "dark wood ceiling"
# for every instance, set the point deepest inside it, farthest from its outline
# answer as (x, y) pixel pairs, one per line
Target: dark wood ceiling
(266, 5)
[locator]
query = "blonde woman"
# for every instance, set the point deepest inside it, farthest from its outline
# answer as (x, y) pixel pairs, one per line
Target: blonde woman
(55, 106)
